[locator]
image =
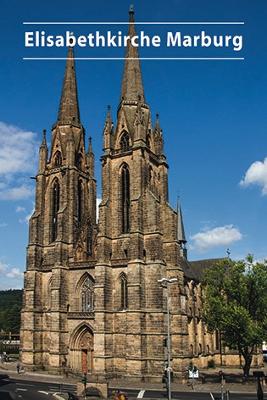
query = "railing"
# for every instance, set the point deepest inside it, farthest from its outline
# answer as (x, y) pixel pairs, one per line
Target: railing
(81, 315)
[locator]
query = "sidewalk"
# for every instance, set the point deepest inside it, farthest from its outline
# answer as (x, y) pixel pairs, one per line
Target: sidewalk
(125, 384)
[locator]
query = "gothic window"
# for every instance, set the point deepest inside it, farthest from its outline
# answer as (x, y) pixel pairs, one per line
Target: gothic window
(124, 143)
(125, 199)
(55, 208)
(124, 292)
(90, 241)
(80, 201)
(58, 159)
(79, 161)
(87, 295)
(148, 141)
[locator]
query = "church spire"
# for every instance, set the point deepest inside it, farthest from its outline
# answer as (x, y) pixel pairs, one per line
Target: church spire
(132, 86)
(180, 232)
(180, 226)
(69, 107)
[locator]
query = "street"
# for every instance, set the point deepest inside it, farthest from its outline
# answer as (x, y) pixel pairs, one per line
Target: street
(158, 394)
(21, 389)
(18, 389)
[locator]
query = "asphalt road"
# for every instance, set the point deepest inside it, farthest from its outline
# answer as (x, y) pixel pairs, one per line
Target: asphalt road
(157, 394)
(18, 389)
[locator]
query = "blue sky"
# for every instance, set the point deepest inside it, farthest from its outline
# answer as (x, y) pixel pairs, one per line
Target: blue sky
(213, 115)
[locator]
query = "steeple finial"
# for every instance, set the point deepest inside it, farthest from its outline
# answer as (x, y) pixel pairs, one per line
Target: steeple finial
(44, 138)
(90, 147)
(132, 86)
(69, 107)
(108, 122)
(180, 225)
(131, 13)
(157, 124)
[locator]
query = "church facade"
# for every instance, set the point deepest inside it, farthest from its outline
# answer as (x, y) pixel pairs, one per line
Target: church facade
(92, 298)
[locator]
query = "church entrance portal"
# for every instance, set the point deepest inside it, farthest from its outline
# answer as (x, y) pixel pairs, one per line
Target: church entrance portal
(82, 349)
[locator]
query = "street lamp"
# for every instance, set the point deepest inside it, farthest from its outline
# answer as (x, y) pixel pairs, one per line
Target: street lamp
(165, 282)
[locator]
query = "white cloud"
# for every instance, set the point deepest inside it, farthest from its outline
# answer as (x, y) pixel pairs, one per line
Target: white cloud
(3, 267)
(256, 175)
(8, 272)
(16, 193)
(14, 273)
(18, 156)
(27, 217)
(219, 236)
(20, 209)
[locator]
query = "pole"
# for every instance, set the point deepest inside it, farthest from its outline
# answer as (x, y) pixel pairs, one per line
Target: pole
(169, 345)
(222, 388)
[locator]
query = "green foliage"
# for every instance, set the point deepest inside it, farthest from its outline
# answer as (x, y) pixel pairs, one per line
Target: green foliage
(235, 303)
(10, 307)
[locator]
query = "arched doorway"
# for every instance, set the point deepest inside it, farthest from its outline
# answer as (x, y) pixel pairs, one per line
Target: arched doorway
(82, 349)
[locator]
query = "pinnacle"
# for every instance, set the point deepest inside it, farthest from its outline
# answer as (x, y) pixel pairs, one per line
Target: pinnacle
(132, 86)
(69, 107)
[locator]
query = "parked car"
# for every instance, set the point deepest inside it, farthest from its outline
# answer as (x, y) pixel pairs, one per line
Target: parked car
(264, 355)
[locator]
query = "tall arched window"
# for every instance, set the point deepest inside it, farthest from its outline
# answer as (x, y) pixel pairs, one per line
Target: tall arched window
(90, 240)
(125, 142)
(58, 159)
(80, 201)
(125, 199)
(79, 161)
(124, 292)
(87, 295)
(55, 208)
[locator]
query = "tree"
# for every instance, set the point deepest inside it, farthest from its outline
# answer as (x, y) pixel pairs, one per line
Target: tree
(235, 303)
(10, 307)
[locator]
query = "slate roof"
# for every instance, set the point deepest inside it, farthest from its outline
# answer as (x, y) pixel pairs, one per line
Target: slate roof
(195, 269)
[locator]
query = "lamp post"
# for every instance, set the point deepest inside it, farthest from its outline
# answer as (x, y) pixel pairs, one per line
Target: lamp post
(165, 282)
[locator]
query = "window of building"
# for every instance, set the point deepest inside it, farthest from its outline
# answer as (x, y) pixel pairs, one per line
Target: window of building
(125, 142)
(124, 292)
(125, 199)
(58, 159)
(79, 161)
(90, 241)
(80, 201)
(148, 141)
(55, 208)
(87, 295)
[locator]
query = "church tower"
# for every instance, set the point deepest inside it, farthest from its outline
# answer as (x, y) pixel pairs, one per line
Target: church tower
(139, 242)
(62, 234)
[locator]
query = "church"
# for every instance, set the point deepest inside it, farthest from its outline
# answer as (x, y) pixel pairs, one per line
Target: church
(92, 298)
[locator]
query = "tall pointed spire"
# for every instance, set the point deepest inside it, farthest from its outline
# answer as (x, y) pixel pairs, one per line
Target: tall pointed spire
(132, 86)
(69, 107)
(180, 225)
(44, 144)
(108, 121)
(157, 124)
